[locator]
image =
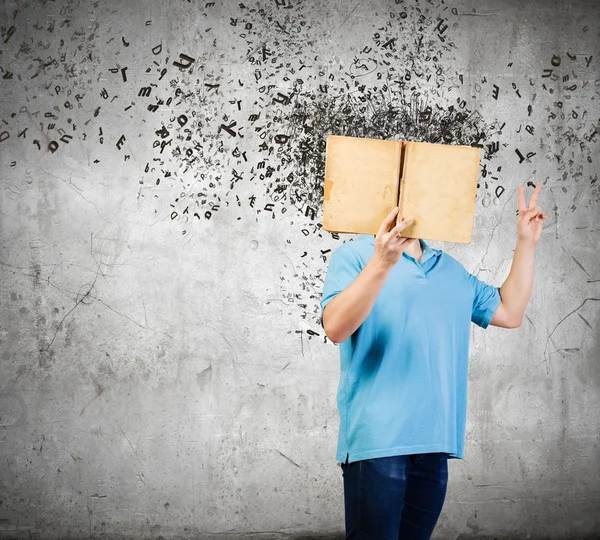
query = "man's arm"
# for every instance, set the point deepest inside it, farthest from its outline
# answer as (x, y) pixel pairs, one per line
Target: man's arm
(349, 309)
(516, 289)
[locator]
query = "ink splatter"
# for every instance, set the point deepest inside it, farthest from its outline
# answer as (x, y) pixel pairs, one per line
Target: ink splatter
(253, 109)
(277, 141)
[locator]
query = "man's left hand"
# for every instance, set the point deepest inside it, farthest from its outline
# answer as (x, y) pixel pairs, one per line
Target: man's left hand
(531, 218)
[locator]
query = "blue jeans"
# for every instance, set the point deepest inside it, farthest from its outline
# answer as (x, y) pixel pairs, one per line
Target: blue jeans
(394, 498)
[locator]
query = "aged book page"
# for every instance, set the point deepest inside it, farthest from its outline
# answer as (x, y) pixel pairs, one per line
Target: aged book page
(438, 188)
(361, 183)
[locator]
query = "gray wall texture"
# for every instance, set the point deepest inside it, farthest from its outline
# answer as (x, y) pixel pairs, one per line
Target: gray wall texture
(164, 373)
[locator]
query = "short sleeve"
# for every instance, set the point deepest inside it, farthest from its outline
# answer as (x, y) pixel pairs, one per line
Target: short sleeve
(344, 267)
(486, 300)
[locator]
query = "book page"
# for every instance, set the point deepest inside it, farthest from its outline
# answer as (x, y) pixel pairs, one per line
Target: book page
(438, 189)
(361, 183)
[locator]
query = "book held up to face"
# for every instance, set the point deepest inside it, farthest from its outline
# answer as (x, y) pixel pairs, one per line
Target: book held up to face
(436, 184)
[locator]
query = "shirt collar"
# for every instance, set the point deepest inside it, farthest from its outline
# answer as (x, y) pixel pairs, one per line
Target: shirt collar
(428, 251)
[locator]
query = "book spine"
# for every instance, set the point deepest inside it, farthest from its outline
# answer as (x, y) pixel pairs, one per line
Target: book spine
(403, 154)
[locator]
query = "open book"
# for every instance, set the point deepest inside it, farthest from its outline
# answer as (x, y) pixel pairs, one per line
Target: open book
(436, 184)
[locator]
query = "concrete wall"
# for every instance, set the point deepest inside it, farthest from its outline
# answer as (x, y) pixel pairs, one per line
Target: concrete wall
(163, 372)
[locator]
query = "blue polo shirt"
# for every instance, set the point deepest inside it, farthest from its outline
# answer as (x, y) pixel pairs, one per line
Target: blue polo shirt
(403, 377)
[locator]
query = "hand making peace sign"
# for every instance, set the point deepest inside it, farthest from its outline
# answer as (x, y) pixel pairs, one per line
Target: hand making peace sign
(531, 219)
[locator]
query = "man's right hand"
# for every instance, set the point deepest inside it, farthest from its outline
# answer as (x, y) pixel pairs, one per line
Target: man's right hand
(389, 245)
(348, 310)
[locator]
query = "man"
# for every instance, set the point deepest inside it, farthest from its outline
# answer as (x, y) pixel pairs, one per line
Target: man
(401, 312)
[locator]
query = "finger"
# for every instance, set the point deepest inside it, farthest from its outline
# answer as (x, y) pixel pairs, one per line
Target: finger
(402, 225)
(534, 213)
(521, 198)
(534, 197)
(529, 211)
(403, 241)
(387, 222)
